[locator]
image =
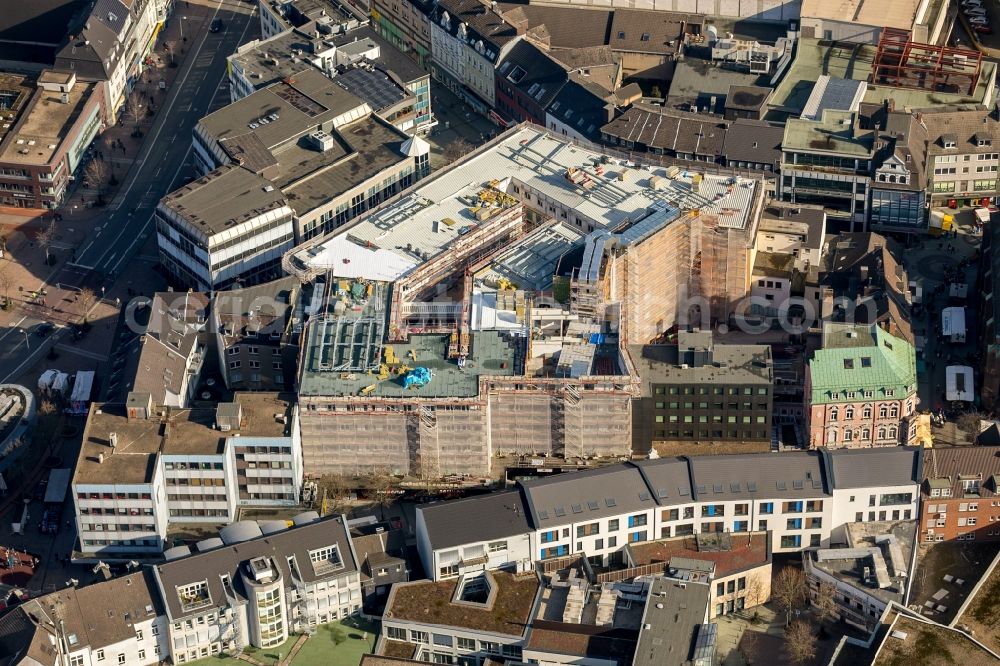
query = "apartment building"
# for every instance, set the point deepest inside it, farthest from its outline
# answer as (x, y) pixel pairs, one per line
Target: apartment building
(47, 124)
(406, 26)
(111, 49)
(254, 335)
(172, 348)
(988, 327)
(256, 584)
(144, 466)
(358, 58)
(867, 574)
(802, 499)
(118, 621)
(527, 80)
(468, 40)
(963, 154)
(700, 391)
(861, 389)
(960, 495)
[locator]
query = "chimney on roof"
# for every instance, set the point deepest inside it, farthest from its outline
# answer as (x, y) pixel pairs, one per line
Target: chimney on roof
(113, 440)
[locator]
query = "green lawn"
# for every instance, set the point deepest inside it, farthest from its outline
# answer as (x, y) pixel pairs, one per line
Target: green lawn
(338, 644)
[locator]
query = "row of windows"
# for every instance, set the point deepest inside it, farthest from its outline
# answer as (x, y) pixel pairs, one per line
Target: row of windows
(107, 496)
(120, 511)
(703, 390)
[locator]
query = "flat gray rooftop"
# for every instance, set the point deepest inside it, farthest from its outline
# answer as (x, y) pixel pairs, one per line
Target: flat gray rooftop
(733, 364)
(224, 198)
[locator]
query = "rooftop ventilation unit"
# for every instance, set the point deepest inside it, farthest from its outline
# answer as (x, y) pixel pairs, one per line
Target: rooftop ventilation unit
(320, 140)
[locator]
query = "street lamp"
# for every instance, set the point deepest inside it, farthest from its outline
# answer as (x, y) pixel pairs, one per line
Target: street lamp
(27, 341)
(183, 18)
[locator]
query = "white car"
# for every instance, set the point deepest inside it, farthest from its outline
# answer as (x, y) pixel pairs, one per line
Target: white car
(979, 20)
(975, 12)
(972, 3)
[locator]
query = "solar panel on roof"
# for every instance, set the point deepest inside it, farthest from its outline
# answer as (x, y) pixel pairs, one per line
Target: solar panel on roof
(817, 483)
(543, 514)
(683, 492)
(560, 512)
(644, 496)
(752, 486)
(702, 489)
(661, 493)
(592, 505)
(734, 487)
(781, 485)
(797, 485)
(610, 501)
(717, 487)
(577, 508)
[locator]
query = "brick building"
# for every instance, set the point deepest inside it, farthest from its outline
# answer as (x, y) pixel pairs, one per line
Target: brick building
(960, 494)
(861, 389)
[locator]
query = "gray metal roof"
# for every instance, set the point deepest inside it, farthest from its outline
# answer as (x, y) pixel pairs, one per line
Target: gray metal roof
(668, 479)
(473, 519)
(792, 475)
(210, 566)
(675, 610)
(591, 494)
(863, 468)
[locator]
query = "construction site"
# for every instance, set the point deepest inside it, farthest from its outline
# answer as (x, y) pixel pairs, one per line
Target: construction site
(481, 320)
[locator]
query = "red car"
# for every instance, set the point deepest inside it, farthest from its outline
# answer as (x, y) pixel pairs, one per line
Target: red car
(983, 29)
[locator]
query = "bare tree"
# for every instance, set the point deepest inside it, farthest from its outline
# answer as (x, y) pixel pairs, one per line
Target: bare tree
(110, 142)
(7, 283)
(97, 175)
(381, 485)
(134, 110)
(171, 48)
(824, 601)
(788, 589)
(748, 646)
(45, 237)
(87, 300)
(457, 149)
(969, 423)
(337, 489)
(800, 642)
(756, 593)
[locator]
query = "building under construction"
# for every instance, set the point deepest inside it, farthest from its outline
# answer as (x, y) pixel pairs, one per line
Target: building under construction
(480, 319)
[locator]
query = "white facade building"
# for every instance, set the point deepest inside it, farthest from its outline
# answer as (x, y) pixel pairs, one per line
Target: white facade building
(256, 584)
(143, 467)
(803, 499)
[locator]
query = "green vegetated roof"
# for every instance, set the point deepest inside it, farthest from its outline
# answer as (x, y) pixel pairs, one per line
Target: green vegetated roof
(868, 360)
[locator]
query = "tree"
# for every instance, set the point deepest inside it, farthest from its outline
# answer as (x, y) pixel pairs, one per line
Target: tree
(457, 149)
(87, 300)
(45, 238)
(110, 142)
(97, 175)
(756, 593)
(800, 642)
(133, 109)
(748, 646)
(382, 484)
(788, 589)
(171, 48)
(969, 423)
(6, 284)
(824, 601)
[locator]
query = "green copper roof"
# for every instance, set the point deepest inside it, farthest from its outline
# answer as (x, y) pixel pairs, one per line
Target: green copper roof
(858, 359)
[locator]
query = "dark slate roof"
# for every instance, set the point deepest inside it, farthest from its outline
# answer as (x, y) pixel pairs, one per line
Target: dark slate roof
(753, 141)
(568, 27)
(389, 57)
(473, 519)
(646, 31)
(582, 107)
(669, 130)
(862, 468)
(793, 475)
(210, 565)
(674, 614)
(533, 72)
(668, 479)
(591, 494)
(111, 13)
(812, 216)
(481, 24)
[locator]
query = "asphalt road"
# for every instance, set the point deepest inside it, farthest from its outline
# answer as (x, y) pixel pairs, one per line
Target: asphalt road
(165, 149)
(162, 158)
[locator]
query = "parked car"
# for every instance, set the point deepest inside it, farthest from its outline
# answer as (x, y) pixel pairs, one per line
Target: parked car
(44, 329)
(983, 29)
(217, 25)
